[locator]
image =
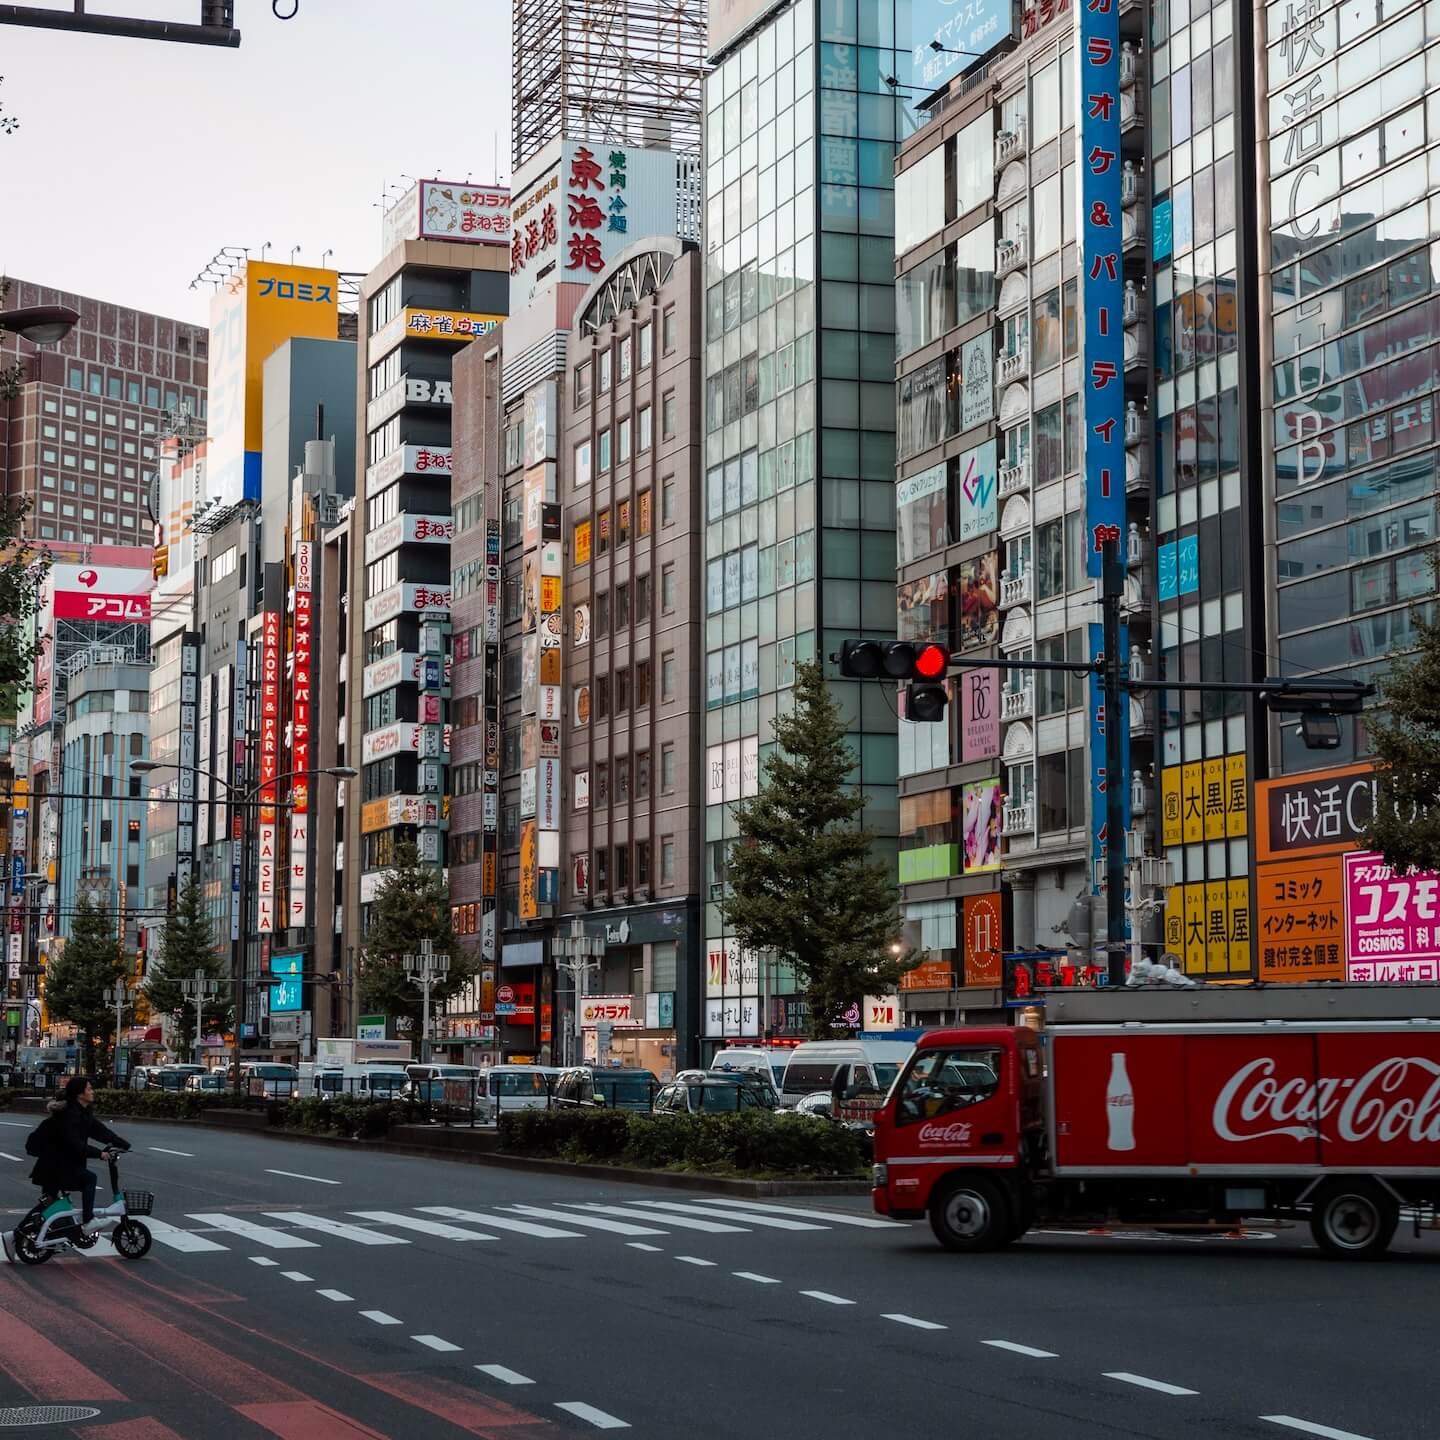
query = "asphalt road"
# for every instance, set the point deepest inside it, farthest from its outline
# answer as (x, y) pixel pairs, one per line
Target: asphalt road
(457, 1300)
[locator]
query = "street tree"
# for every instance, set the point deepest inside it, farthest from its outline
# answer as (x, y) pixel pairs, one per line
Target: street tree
(187, 946)
(802, 880)
(76, 980)
(412, 905)
(1405, 739)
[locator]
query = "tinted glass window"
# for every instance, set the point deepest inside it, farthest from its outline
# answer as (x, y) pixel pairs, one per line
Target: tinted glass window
(801, 1079)
(942, 1081)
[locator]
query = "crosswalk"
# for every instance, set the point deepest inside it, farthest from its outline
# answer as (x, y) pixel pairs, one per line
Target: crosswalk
(210, 1232)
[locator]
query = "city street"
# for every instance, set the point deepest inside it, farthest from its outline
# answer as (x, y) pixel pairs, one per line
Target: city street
(313, 1293)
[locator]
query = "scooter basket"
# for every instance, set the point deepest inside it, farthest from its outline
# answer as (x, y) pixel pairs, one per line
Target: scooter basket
(139, 1202)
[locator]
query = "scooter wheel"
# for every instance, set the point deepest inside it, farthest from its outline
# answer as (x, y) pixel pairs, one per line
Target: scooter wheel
(27, 1252)
(131, 1239)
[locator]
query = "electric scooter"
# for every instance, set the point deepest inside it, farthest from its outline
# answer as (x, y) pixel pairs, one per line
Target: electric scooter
(52, 1227)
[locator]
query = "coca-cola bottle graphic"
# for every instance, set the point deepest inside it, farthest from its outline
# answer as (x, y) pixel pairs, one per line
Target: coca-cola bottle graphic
(1119, 1106)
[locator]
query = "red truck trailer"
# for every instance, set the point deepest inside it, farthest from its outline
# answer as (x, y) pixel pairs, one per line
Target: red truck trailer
(1168, 1122)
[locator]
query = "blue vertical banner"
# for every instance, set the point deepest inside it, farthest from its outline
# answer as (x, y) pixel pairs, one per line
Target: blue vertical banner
(1101, 239)
(1099, 780)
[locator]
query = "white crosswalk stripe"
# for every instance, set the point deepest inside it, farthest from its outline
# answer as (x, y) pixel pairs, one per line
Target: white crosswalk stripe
(591, 1222)
(768, 1222)
(524, 1227)
(710, 1227)
(259, 1234)
(864, 1222)
(186, 1241)
(338, 1228)
(423, 1227)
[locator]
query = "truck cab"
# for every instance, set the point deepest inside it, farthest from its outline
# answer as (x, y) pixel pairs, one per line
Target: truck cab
(962, 1130)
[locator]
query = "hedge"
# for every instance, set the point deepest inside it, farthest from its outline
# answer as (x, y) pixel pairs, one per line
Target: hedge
(749, 1142)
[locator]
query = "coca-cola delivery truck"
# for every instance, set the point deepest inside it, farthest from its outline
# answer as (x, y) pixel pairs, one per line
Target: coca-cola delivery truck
(1171, 1122)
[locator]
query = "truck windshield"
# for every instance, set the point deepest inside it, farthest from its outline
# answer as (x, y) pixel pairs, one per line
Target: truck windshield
(802, 1079)
(941, 1081)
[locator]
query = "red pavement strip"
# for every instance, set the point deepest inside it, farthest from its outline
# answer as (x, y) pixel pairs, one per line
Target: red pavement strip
(44, 1369)
(146, 1428)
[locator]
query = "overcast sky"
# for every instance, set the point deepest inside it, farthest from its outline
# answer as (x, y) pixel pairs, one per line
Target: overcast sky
(136, 160)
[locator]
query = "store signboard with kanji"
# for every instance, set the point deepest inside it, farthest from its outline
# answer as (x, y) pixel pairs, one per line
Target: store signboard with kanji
(1392, 921)
(580, 205)
(1300, 920)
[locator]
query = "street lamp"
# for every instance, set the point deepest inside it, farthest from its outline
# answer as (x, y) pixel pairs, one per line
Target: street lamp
(426, 969)
(40, 324)
(577, 954)
(119, 997)
(199, 988)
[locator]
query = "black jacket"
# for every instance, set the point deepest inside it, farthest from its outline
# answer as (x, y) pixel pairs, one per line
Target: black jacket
(66, 1135)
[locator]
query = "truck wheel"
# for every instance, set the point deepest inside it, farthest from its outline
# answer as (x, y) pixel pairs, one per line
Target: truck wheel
(971, 1214)
(1353, 1219)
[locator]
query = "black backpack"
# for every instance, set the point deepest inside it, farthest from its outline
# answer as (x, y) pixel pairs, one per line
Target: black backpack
(39, 1138)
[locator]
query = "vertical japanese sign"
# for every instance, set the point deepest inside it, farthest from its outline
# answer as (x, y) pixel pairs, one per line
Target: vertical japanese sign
(1099, 780)
(189, 758)
(301, 668)
(239, 726)
(979, 715)
(269, 768)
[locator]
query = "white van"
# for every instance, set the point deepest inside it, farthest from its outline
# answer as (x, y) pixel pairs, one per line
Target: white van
(818, 1065)
(768, 1060)
(517, 1087)
(350, 1082)
(428, 1082)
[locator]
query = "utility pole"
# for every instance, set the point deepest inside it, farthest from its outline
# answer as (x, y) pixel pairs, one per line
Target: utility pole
(1112, 586)
(577, 954)
(119, 997)
(200, 989)
(426, 969)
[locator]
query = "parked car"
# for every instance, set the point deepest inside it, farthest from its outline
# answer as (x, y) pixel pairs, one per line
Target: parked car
(714, 1092)
(760, 1059)
(171, 1077)
(211, 1082)
(841, 1066)
(585, 1085)
(274, 1081)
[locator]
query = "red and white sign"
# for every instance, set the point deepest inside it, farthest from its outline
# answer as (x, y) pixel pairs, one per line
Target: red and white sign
(882, 1012)
(398, 599)
(615, 1010)
(1392, 922)
(269, 764)
(101, 592)
(301, 668)
(1298, 1098)
(408, 530)
(396, 739)
(471, 214)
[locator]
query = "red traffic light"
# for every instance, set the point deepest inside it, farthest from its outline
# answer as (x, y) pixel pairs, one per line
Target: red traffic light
(931, 662)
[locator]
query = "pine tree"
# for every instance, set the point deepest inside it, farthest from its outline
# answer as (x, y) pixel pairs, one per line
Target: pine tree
(187, 945)
(412, 905)
(1405, 738)
(76, 980)
(802, 881)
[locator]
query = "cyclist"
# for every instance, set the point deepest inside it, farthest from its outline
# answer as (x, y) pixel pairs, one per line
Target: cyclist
(62, 1143)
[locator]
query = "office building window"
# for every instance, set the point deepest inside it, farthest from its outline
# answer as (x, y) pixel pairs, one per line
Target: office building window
(667, 768)
(667, 860)
(669, 675)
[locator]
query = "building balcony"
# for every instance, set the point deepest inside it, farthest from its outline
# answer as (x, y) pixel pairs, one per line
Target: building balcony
(1136, 424)
(1013, 365)
(1133, 306)
(1014, 590)
(1130, 177)
(1018, 704)
(1012, 253)
(1015, 517)
(1137, 472)
(1017, 631)
(1129, 110)
(1129, 64)
(1009, 145)
(1139, 717)
(1015, 479)
(1137, 345)
(1018, 820)
(1133, 229)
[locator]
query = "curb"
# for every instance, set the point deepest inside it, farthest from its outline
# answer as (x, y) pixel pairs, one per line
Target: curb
(659, 1179)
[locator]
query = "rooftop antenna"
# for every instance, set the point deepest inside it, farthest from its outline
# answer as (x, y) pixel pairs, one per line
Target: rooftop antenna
(264, 249)
(295, 250)
(325, 257)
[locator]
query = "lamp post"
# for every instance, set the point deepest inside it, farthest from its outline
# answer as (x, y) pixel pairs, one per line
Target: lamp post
(240, 918)
(40, 324)
(577, 954)
(199, 988)
(426, 970)
(119, 997)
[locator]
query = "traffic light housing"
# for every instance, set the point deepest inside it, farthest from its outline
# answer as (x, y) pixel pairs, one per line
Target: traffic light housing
(921, 665)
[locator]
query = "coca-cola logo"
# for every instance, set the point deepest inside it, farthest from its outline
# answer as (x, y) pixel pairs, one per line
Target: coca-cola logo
(955, 1133)
(1254, 1104)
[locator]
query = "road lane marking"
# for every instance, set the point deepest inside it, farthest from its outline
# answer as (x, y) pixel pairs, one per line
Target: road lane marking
(593, 1222)
(161, 1150)
(259, 1234)
(1309, 1427)
(693, 1260)
(8, 1156)
(911, 1320)
(1164, 1387)
(334, 1294)
(865, 1222)
(19, 1124)
(263, 1260)
(598, 1418)
(676, 1222)
(827, 1297)
(641, 1245)
(504, 1374)
(334, 1227)
(768, 1222)
(185, 1241)
(299, 1276)
(425, 1227)
(434, 1342)
(295, 1175)
(525, 1227)
(1029, 1350)
(379, 1317)
(751, 1275)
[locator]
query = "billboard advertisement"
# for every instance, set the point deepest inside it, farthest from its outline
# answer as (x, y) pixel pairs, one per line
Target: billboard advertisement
(1392, 922)
(963, 30)
(469, 214)
(984, 938)
(979, 582)
(981, 821)
(101, 592)
(979, 715)
(979, 492)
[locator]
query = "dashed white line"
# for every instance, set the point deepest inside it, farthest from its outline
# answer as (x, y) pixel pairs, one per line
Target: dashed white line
(641, 1245)
(335, 1295)
(434, 1342)
(751, 1275)
(911, 1320)
(504, 1374)
(693, 1260)
(1029, 1350)
(6, 1155)
(298, 1275)
(827, 1297)
(264, 1260)
(1145, 1383)
(379, 1317)
(161, 1150)
(295, 1175)
(1309, 1427)
(598, 1418)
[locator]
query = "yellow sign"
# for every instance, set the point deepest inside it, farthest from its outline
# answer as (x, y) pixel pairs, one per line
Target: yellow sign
(1239, 904)
(448, 324)
(1213, 783)
(1204, 800)
(1194, 929)
(582, 543)
(1170, 832)
(1237, 797)
(1192, 802)
(282, 302)
(529, 871)
(1207, 924)
(549, 594)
